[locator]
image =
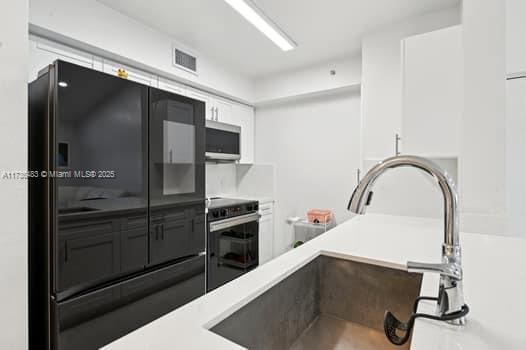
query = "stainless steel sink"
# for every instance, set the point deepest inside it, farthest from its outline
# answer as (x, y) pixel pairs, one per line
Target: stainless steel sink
(328, 304)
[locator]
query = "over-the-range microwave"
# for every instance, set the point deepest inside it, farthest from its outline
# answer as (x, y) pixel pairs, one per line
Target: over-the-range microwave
(223, 141)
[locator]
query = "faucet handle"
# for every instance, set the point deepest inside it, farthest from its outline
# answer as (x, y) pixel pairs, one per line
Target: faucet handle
(451, 270)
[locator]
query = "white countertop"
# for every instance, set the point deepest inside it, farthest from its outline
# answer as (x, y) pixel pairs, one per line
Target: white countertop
(494, 286)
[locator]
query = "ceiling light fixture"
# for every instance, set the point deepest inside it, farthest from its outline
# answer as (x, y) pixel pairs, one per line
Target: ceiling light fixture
(254, 15)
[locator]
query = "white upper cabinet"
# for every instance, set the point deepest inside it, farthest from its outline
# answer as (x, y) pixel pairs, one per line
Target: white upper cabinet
(223, 111)
(432, 93)
(43, 53)
(217, 108)
(136, 75)
(206, 98)
(171, 86)
(244, 117)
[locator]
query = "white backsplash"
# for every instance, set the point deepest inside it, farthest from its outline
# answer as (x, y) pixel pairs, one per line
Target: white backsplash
(220, 179)
(255, 180)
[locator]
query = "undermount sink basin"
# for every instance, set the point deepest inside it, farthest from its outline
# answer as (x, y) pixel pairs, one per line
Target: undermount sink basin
(328, 304)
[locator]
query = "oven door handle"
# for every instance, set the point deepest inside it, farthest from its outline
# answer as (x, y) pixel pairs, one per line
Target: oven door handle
(231, 222)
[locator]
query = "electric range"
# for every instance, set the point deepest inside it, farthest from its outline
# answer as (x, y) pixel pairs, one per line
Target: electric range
(232, 239)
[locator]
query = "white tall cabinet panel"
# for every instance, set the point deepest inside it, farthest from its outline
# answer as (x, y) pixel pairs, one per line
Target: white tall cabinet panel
(516, 155)
(244, 117)
(432, 101)
(266, 233)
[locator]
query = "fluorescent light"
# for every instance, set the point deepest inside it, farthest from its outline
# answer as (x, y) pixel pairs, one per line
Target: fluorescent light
(254, 15)
(62, 84)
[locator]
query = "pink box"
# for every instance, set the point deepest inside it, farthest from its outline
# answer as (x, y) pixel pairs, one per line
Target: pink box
(321, 216)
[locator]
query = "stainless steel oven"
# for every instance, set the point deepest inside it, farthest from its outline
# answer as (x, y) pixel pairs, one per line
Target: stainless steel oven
(223, 141)
(233, 234)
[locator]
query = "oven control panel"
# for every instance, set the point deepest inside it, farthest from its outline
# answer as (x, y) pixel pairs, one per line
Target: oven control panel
(235, 210)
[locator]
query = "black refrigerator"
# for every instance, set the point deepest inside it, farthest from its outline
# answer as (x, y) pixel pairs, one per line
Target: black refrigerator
(116, 206)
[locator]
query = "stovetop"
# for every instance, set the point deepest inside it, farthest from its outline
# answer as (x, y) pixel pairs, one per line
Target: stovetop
(220, 202)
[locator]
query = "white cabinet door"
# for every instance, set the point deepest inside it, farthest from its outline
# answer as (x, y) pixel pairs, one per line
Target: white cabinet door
(266, 238)
(202, 96)
(136, 75)
(516, 155)
(515, 43)
(223, 111)
(171, 86)
(432, 93)
(244, 117)
(43, 53)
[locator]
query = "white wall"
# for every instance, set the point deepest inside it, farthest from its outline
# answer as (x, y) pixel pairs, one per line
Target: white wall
(315, 146)
(382, 79)
(13, 204)
(309, 80)
(91, 25)
(482, 163)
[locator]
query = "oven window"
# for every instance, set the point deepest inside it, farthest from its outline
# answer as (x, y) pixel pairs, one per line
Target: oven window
(238, 246)
(221, 141)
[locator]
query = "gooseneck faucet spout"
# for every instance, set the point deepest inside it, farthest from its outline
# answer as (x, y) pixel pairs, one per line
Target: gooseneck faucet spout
(450, 298)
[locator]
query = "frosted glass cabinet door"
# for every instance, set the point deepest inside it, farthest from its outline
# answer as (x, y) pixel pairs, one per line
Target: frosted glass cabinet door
(176, 148)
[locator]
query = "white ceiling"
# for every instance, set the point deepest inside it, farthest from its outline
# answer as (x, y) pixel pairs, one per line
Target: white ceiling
(323, 29)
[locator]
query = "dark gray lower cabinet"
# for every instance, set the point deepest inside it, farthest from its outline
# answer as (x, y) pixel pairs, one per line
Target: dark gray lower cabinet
(89, 253)
(95, 250)
(176, 233)
(95, 319)
(167, 240)
(117, 272)
(134, 250)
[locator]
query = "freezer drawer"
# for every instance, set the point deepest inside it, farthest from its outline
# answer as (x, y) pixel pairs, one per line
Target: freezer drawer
(95, 319)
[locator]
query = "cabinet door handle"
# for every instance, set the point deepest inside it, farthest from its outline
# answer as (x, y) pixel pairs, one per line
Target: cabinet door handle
(217, 114)
(212, 113)
(162, 232)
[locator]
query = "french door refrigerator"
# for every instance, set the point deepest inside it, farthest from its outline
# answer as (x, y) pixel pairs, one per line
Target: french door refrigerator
(116, 206)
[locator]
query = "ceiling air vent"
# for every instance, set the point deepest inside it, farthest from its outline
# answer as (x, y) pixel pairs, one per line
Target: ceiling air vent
(185, 61)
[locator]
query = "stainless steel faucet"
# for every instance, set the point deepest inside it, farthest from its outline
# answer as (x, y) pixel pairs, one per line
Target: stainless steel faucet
(450, 295)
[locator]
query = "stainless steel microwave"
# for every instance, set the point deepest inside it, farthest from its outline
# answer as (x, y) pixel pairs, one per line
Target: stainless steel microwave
(223, 141)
